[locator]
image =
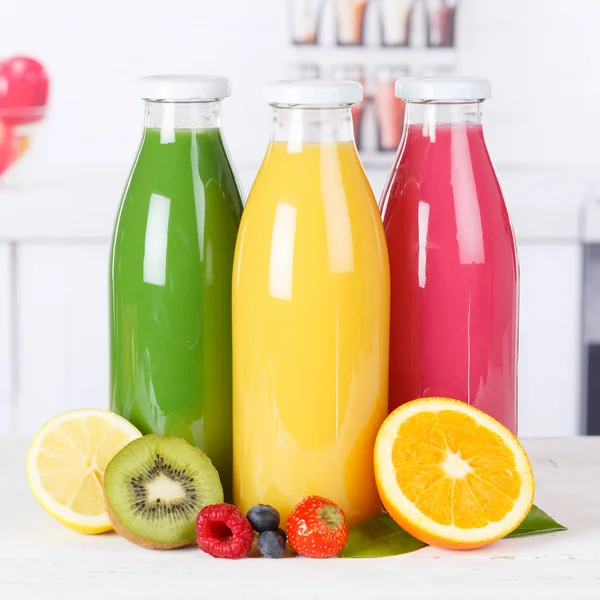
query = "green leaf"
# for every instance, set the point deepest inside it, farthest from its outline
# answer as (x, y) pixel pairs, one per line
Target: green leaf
(379, 536)
(537, 521)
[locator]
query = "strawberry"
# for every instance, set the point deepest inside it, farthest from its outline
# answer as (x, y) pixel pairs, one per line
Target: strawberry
(317, 528)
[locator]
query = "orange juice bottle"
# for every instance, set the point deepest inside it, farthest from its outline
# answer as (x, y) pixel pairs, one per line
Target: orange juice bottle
(311, 301)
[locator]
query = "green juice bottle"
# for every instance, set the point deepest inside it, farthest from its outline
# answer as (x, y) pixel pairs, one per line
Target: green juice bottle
(170, 272)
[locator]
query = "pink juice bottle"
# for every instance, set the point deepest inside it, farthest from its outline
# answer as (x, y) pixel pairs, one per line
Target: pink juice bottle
(454, 270)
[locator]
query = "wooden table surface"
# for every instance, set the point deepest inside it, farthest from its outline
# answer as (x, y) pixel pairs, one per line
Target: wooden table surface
(41, 558)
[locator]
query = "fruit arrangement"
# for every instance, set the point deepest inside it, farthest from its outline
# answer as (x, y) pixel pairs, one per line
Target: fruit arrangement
(24, 86)
(448, 475)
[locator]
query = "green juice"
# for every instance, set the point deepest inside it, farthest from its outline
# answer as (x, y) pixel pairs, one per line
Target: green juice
(170, 292)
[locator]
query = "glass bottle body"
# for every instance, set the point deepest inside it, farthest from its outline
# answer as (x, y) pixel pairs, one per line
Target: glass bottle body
(311, 321)
(170, 284)
(454, 269)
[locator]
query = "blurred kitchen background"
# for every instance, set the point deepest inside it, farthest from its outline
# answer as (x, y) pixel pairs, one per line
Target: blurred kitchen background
(58, 201)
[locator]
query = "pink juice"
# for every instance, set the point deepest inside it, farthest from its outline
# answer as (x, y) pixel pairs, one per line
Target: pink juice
(454, 271)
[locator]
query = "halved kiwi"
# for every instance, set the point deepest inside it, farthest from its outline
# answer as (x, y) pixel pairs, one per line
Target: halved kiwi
(155, 487)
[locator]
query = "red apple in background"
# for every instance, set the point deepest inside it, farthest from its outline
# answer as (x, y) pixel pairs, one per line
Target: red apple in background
(23, 90)
(9, 147)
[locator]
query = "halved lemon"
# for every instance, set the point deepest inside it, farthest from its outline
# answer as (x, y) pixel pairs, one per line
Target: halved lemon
(66, 463)
(451, 475)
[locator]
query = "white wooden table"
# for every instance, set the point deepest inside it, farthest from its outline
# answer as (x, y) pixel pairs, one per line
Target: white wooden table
(41, 558)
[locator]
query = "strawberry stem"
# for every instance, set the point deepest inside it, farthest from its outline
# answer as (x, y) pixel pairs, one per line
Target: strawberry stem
(332, 516)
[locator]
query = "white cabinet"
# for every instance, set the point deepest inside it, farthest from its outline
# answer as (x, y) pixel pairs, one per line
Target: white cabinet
(5, 340)
(57, 311)
(62, 328)
(550, 399)
(62, 332)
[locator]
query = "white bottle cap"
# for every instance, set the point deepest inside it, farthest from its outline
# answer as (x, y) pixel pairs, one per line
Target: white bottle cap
(182, 88)
(315, 92)
(451, 89)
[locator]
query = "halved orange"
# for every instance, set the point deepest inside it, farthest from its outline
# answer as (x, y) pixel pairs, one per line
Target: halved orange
(451, 475)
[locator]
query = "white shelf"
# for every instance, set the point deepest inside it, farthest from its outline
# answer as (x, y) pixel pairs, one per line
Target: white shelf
(71, 204)
(81, 203)
(544, 204)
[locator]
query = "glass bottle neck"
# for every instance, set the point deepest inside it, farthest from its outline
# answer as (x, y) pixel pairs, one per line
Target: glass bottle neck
(432, 114)
(310, 124)
(172, 116)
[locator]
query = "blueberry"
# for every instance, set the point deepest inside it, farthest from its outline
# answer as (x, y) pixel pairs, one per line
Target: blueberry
(271, 544)
(282, 534)
(263, 517)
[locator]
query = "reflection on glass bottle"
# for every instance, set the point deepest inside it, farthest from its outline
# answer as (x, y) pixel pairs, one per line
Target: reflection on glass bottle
(441, 23)
(354, 73)
(389, 110)
(350, 19)
(305, 16)
(395, 16)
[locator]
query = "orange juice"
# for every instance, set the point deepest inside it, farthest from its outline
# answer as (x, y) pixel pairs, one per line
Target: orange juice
(310, 322)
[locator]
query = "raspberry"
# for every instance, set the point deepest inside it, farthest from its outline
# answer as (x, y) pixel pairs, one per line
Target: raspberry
(223, 531)
(263, 517)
